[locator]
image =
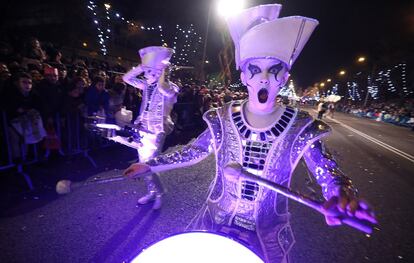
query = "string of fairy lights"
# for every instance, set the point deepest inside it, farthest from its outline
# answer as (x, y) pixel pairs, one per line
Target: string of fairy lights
(102, 36)
(373, 88)
(189, 46)
(333, 90)
(389, 82)
(353, 90)
(185, 42)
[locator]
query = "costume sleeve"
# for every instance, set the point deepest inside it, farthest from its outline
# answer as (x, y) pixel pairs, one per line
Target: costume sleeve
(326, 171)
(131, 78)
(190, 154)
(168, 89)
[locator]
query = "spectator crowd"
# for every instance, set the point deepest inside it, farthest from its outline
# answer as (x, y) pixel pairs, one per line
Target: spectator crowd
(398, 112)
(40, 87)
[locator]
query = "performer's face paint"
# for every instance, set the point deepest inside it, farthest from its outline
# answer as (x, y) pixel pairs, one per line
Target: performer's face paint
(152, 75)
(264, 77)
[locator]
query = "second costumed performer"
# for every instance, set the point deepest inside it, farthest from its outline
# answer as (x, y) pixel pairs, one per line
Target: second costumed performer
(265, 139)
(158, 98)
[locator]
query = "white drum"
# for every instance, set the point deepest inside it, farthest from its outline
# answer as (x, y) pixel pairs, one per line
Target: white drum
(197, 247)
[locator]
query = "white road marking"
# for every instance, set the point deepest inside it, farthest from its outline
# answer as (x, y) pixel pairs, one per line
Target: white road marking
(374, 124)
(376, 141)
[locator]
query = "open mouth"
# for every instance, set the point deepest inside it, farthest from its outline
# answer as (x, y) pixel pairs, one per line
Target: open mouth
(263, 95)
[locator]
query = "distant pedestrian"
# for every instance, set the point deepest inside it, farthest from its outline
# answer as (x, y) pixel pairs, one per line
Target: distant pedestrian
(331, 110)
(321, 109)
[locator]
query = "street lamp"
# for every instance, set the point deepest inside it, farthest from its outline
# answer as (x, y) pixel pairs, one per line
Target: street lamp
(342, 72)
(361, 59)
(227, 8)
(328, 80)
(371, 67)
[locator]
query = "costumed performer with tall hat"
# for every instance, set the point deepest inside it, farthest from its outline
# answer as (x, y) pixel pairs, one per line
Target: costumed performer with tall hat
(158, 98)
(264, 138)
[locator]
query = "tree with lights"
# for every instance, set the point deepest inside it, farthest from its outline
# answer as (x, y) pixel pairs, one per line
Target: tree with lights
(185, 41)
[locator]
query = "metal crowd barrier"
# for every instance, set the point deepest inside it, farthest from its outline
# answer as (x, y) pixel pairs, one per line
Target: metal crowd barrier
(5, 148)
(74, 138)
(71, 132)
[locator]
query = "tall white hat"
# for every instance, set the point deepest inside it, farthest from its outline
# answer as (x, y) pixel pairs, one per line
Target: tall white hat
(258, 33)
(242, 22)
(155, 56)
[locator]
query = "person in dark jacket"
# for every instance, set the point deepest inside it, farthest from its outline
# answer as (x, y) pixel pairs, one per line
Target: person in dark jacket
(51, 93)
(20, 100)
(97, 98)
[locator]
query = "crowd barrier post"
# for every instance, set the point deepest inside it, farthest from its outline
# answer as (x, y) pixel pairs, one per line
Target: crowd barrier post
(23, 152)
(59, 133)
(74, 134)
(9, 163)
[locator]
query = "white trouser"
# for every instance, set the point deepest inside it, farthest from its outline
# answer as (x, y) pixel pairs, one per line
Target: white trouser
(151, 147)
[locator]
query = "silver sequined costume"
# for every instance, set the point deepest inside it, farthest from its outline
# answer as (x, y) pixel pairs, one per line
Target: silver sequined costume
(243, 209)
(155, 117)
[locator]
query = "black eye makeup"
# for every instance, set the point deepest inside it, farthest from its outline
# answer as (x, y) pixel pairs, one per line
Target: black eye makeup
(275, 69)
(253, 70)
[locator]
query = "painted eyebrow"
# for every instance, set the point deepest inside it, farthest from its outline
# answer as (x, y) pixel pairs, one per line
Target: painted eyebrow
(278, 67)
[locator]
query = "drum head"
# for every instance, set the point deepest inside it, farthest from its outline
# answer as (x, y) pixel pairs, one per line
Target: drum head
(197, 247)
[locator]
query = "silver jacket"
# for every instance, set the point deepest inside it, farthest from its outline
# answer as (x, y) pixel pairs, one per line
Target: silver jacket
(249, 212)
(156, 107)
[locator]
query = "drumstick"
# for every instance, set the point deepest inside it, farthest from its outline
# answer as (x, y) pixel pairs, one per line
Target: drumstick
(67, 186)
(235, 169)
(125, 131)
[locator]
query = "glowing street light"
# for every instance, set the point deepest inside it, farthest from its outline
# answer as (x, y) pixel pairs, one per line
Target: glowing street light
(229, 7)
(84, 44)
(322, 84)
(361, 59)
(328, 80)
(107, 6)
(224, 8)
(342, 72)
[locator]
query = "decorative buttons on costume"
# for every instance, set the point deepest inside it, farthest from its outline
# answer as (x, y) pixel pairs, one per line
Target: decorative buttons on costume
(256, 145)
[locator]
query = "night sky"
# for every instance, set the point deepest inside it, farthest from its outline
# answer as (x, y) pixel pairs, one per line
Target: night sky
(347, 29)
(383, 32)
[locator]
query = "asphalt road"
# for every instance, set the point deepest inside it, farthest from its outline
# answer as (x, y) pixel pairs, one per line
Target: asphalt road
(102, 223)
